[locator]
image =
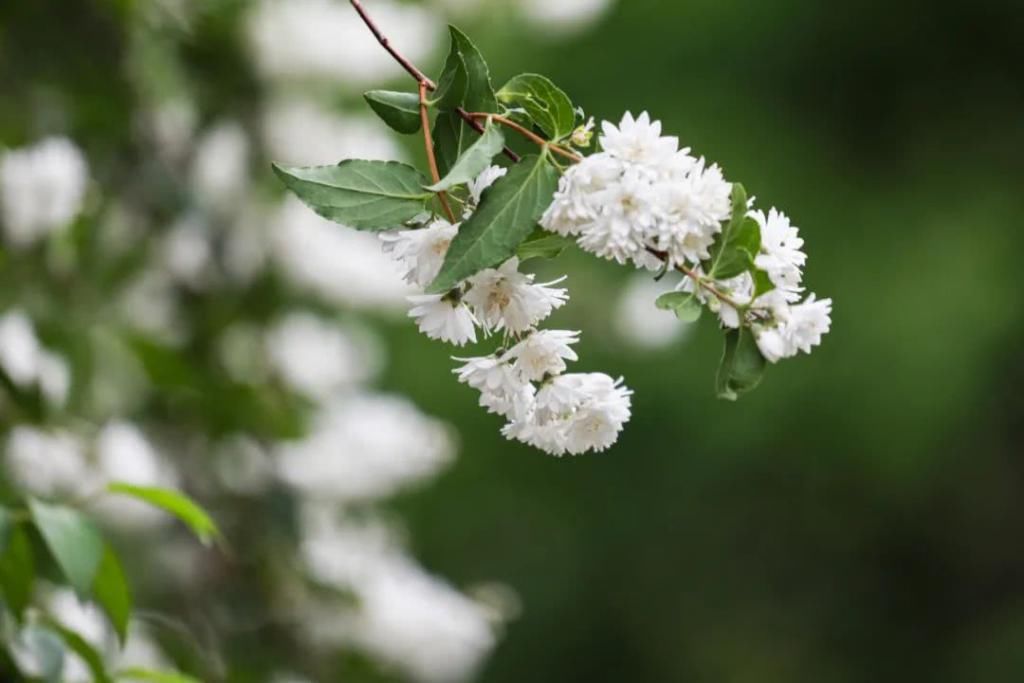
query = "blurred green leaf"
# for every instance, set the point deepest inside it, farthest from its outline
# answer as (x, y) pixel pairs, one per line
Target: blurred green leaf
(73, 540)
(80, 646)
(177, 504)
(507, 214)
(150, 676)
(400, 110)
(111, 592)
(545, 103)
(17, 567)
(474, 160)
(730, 253)
(366, 195)
(742, 365)
(46, 648)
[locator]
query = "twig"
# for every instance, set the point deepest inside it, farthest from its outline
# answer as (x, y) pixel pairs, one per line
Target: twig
(428, 143)
(415, 72)
(528, 134)
(693, 275)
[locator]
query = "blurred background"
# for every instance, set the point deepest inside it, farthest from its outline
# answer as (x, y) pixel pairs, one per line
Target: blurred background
(169, 316)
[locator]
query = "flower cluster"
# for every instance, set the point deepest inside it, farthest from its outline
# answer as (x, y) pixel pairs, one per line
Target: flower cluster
(645, 201)
(558, 413)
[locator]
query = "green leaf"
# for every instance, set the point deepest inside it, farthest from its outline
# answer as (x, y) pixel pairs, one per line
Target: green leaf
(542, 244)
(150, 676)
(762, 283)
(17, 569)
(46, 649)
(742, 365)
(81, 647)
(177, 504)
(112, 594)
(474, 160)
(400, 110)
(73, 540)
(506, 216)
(368, 195)
(740, 239)
(685, 305)
(466, 80)
(451, 137)
(546, 104)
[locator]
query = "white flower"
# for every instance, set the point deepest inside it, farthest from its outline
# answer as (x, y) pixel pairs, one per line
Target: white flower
(800, 328)
(364, 448)
(574, 206)
(220, 167)
(443, 317)
(697, 203)
(504, 298)
(41, 189)
(808, 321)
(421, 252)
(574, 413)
(543, 353)
(27, 363)
(317, 358)
(483, 181)
(502, 389)
(47, 463)
(638, 140)
(780, 254)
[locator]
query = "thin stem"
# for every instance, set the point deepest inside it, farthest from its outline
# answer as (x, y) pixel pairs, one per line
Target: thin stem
(697, 278)
(382, 39)
(428, 143)
(528, 134)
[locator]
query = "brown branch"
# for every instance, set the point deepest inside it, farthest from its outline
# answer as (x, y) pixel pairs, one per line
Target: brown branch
(428, 143)
(529, 135)
(414, 71)
(701, 282)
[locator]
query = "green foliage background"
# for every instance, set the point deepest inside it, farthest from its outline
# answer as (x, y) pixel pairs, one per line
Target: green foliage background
(857, 518)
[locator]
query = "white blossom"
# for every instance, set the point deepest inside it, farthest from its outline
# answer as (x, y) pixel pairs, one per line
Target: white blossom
(504, 299)
(780, 254)
(443, 317)
(638, 140)
(363, 448)
(41, 189)
(800, 329)
(421, 252)
(27, 363)
(47, 463)
(220, 167)
(503, 390)
(483, 181)
(318, 358)
(544, 353)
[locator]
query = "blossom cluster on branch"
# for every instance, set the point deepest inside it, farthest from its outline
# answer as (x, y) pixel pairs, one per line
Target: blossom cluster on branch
(640, 200)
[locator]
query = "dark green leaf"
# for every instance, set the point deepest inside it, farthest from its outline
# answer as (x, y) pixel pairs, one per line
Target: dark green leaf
(81, 647)
(369, 195)
(466, 80)
(507, 215)
(544, 102)
(474, 160)
(177, 504)
(111, 592)
(742, 365)
(542, 244)
(400, 110)
(150, 676)
(685, 305)
(17, 570)
(73, 540)
(451, 137)
(718, 266)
